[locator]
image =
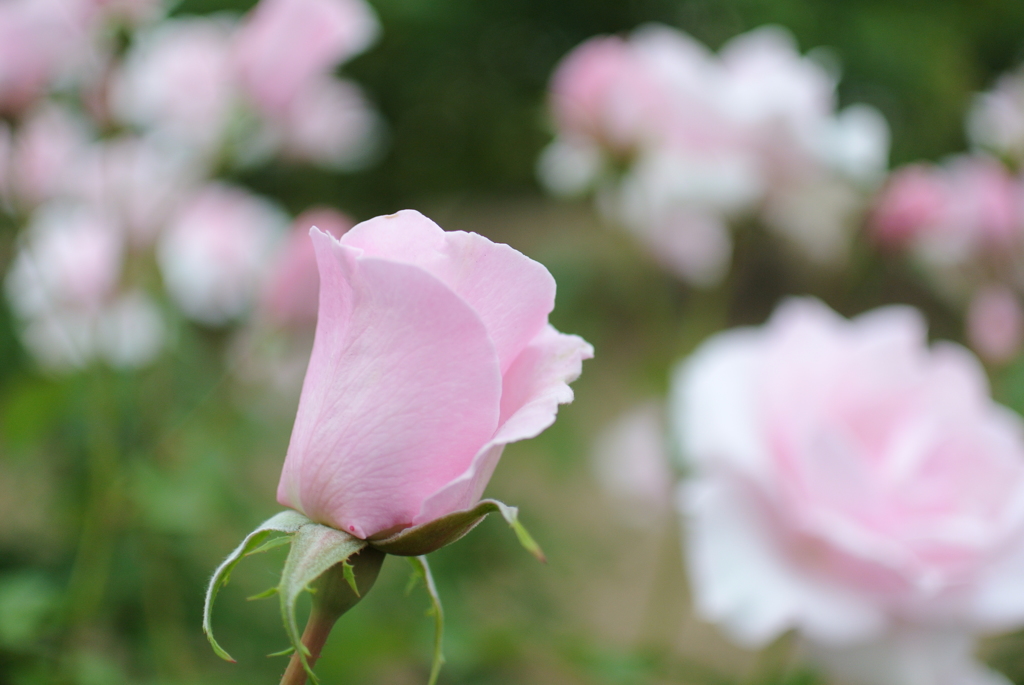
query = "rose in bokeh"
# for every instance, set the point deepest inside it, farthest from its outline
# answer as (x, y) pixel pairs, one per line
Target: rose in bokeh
(913, 199)
(42, 42)
(291, 294)
(995, 323)
(678, 143)
(215, 252)
(178, 82)
(432, 352)
(48, 149)
(284, 47)
(856, 485)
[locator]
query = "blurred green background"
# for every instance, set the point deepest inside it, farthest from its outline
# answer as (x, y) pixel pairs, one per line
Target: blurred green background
(119, 493)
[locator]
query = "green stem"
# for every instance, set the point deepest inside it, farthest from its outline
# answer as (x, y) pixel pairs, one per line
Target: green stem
(332, 597)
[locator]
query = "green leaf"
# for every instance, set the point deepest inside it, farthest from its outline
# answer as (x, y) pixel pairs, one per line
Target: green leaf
(288, 651)
(285, 522)
(421, 569)
(423, 539)
(315, 549)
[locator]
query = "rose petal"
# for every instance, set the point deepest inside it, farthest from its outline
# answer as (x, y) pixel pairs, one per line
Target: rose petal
(743, 582)
(533, 388)
(403, 370)
(511, 293)
(713, 407)
(909, 655)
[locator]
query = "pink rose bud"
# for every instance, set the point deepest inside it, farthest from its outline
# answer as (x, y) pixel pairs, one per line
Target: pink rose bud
(851, 482)
(913, 200)
(432, 352)
(292, 294)
(216, 252)
(284, 45)
(995, 324)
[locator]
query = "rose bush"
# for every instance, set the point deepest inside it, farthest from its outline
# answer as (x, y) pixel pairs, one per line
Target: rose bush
(854, 484)
(432, 352)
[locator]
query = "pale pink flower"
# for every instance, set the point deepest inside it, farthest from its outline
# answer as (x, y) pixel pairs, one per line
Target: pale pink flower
(995, 323)
(41, 43)
(996, 119)
(70, 258)
(855, 485)
(291, 294)
(178, 81)
(913, 200)
(769, 83)
(48, 149)
(136, 180)
(603, 90)
(330, 124)
(432, 352)
(216, 251)
(985, 201)
(283, 47)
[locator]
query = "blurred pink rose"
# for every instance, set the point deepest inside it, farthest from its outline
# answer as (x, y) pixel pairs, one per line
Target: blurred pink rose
(770, 83)
(995, 323)
(603, 90)
(216, 252)
(49, 148)
(291, 295)
(71, 257)
(985, 200)
(432, 352)
(137, 181)
(913, 200)
(41, 42)
(283, 46)
(854, 484)
(330, 124)
(996, 119)
(177, 80)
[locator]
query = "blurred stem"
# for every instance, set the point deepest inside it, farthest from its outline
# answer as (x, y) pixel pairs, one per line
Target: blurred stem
(95, 545)
(332, 597)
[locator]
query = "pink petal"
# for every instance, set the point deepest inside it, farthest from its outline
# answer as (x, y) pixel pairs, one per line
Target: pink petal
(533, 388)
(511, 293)
(403, 387)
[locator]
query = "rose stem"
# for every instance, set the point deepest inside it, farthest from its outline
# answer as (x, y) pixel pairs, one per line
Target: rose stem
(333, 598)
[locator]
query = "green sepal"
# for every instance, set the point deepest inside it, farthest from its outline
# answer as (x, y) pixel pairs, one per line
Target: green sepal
(350, 576)
(285, 522)
(421, 571)
(269, 592)
(319, 556)
(425, 538)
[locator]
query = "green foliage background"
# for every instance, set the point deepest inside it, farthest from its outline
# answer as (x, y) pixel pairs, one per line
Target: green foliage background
(120, 493)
